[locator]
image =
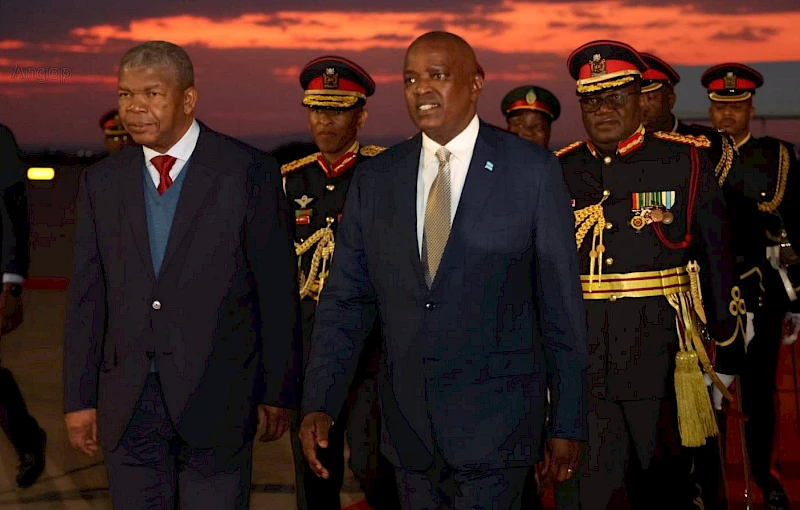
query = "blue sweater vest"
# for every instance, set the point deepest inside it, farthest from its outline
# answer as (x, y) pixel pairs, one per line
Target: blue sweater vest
(160, 212)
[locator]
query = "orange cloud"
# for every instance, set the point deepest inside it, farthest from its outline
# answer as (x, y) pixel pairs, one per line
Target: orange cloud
(11, 44)
(679, 34)
(53, 76)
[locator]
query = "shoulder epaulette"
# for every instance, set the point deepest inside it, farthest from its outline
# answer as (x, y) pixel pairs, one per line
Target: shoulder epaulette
(569, 148)
(698, 141)
(371, 150)
(299, 163)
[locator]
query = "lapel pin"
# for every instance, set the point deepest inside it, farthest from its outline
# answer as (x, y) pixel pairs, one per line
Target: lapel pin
(489, 166)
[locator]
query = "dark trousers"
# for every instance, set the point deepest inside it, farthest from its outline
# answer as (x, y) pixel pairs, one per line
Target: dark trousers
(359, 421)
(631, 458)
(444, 488)
(759, 392)
(152, 468)
(706, 469)
(21, 428)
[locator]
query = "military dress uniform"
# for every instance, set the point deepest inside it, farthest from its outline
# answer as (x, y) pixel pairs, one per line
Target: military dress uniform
(316, 190)
(764, 203)
(116, 137)
(704, 483)
(657, 281)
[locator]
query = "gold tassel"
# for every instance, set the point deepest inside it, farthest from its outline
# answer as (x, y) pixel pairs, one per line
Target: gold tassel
(696, 419)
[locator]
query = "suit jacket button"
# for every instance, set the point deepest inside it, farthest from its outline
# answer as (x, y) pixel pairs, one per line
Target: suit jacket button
(430, 306)
(156, 305)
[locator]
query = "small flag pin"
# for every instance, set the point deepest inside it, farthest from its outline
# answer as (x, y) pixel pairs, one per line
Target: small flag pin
(489, 166)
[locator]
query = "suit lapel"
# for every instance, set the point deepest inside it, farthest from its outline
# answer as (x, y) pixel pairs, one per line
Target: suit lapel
(198, 181)
(133, 203)
(405, 191)
(484, 172)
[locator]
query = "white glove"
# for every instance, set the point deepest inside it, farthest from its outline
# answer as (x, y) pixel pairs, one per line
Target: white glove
(791, 328)
(750, 329)
(716, 395)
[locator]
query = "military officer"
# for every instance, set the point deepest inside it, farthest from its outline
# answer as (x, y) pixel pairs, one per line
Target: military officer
(764, 202)
(530, 112)
(658, 100)
(336, 91)
(115, 135)
(649, 221)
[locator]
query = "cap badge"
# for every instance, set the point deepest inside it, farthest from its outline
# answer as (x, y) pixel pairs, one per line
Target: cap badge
(530, 97)
(598, 65)
(330, 80)
(730, 80)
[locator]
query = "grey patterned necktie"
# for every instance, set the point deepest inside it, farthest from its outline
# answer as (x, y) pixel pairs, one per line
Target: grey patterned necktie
(437, 218)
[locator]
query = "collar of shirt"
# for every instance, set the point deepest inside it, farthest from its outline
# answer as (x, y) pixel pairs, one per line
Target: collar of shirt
(624, 147)
(181, 151)
(338, 167)
(461, 147)
(744, 141)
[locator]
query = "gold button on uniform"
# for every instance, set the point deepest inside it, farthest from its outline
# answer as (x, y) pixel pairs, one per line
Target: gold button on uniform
(612, 298)
(609, 261)
(330, 219)
(607, 160)
(330, 187)
(609, 225)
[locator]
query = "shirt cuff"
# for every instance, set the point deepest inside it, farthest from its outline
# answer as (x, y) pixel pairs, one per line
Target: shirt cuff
(13, 278)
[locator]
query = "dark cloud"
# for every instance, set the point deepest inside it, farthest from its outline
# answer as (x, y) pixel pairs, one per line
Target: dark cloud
(391, 38)
(557, 24)
(42, 19)
(710, 6)
(747, 34)
(598, 26)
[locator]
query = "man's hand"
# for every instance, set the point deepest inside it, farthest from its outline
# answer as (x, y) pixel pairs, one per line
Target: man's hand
(11, 309)
(272, 422)
(82, 430)
(313, 433)
(561, 457)
(716, 394)
(791, 328)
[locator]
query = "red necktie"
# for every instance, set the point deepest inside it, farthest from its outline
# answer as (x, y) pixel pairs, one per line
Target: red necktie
(163, 164)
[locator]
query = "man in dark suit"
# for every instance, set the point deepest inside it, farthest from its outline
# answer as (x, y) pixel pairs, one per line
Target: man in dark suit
(459, 239)
(21, 428)
(182, 331)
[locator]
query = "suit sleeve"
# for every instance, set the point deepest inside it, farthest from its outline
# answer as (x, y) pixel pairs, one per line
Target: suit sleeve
(712, 248)
(84, 329)
(345, 314)
(16, 232)
(562, 314)
(270, 252)
(16, 220)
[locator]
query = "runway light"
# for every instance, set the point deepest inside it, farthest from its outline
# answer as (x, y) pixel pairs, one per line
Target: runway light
(41, 174)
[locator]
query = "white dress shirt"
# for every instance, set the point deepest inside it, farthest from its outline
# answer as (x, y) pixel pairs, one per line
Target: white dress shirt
(461, 148)
(181, 151)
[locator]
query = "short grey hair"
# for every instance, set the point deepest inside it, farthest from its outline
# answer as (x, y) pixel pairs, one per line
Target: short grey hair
(161, 53)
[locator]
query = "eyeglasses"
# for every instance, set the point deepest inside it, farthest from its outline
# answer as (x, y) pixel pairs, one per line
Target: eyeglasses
(614, 100)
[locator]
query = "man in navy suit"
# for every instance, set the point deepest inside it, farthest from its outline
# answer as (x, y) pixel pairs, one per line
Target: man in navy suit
(182, 330)
(22, 429)
(460, 240)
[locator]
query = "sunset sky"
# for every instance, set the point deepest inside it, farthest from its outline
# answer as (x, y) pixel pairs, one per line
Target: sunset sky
(58, 62)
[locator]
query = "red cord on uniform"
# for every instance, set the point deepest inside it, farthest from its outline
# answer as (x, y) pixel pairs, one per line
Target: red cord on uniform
(694, 181)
